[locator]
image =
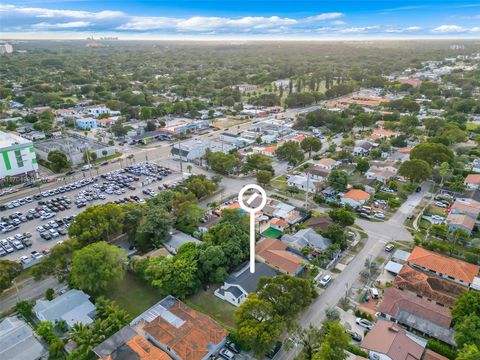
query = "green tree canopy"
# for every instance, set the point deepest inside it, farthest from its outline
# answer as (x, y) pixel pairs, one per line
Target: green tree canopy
(96, 265)
(432, 153)
(291, 152)
(415, 170)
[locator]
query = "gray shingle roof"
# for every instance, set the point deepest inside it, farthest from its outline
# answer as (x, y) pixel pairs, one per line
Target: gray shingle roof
(307, 237)
(18, 342)
(247, 280)
(73, 307)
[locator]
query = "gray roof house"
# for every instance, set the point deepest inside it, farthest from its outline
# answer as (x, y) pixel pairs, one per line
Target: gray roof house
(177, 239)
(306, 237)
(73, 307)
(239, 284)
(18, 342)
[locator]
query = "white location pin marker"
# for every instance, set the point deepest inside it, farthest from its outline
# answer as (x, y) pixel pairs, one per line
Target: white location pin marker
(258, 191)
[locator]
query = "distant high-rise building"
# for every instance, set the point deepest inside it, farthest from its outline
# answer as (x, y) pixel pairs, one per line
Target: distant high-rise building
(6, 48)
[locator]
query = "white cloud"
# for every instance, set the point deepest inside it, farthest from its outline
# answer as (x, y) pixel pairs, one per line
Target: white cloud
(338, 22)
(67, 25)
(54, 13)
(475, 29)
(202, 23)
(403, 30)
(449, 29)
(358, 30)
(149, 23)
(324, 16)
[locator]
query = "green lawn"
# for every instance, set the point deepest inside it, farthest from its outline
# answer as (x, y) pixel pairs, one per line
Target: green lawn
(207, 303)
(133, 294)
(279, 183)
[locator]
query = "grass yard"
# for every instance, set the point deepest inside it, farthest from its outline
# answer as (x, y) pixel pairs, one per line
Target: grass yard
(279, 183)
(207, 303)
(133, 294)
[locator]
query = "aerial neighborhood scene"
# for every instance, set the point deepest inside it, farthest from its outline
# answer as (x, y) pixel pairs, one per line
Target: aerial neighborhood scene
(239, 180)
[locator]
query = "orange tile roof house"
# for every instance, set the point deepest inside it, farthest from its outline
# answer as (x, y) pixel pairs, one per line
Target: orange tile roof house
(449, 268)
(406, 308)
(429, 286)
(127, 344)
(355, 197)
(180, 331)
(460, 221)
(472, 181)
(388, 340)
(274, 253)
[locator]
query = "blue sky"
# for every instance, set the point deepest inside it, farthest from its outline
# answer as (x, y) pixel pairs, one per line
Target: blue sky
(247, 19)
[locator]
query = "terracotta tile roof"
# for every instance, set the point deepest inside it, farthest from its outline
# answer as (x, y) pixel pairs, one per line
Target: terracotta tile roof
(405, 150)
(432, 355)
(146, 350)
(472, 179)
(466, 205)
(270, 149)
(396, 301)
(299, 137)
(192, 338)
(457, 269)
(390, 339)
(279, 222)
(460, 219)
(433, 287)
(357, 195)
(273, 252)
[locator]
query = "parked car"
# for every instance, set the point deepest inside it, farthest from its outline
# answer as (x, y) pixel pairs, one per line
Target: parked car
(230, 345)
(226, 354)
(36, 255)
(389, 247)
(364, 323)
(355, 336)
(325, 280)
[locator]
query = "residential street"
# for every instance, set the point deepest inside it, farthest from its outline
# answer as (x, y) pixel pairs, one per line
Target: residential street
(28, 289)
(379, 234)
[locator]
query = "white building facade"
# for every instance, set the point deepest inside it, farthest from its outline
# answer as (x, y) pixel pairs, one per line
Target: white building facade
(17, 156)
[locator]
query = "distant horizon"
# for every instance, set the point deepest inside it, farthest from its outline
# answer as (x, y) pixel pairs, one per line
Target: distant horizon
(240, 20)
(17, 37)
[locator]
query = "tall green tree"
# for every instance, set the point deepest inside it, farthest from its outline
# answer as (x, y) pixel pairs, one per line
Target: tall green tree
(338, 180)
(311, 144)
(97, 223)
(432, 153)
(95, 266)
(291, 152)
(58, 160)
(415, 170)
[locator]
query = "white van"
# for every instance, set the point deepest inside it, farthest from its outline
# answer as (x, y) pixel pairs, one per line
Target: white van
(375, 293)
(86, 167)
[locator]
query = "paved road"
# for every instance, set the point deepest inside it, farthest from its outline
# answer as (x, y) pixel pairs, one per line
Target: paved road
(379, 234)
(28, 289)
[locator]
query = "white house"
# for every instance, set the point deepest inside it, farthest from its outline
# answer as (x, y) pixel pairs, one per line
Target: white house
(239, 284)
(302, 183)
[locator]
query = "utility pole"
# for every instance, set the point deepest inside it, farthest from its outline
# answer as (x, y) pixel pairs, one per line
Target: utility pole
(306, 193)
(181, 156)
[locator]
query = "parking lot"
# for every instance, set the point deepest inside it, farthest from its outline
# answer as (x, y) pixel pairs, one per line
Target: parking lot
(31, 226)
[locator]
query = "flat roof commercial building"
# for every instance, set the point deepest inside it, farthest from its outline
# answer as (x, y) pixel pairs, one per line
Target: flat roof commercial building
(74, 146)
(18, 156)
(195, 149)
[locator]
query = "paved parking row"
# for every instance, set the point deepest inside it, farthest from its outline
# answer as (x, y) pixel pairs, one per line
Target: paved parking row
(63, 208)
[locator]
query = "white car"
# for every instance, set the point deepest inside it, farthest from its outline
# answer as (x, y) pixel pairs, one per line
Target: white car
(326, 280)
(48, 216)
(440, 204)
(53, 233)
(364, 323)
(40, 229)
(53, 224)
(24, 259)
(379, 215)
